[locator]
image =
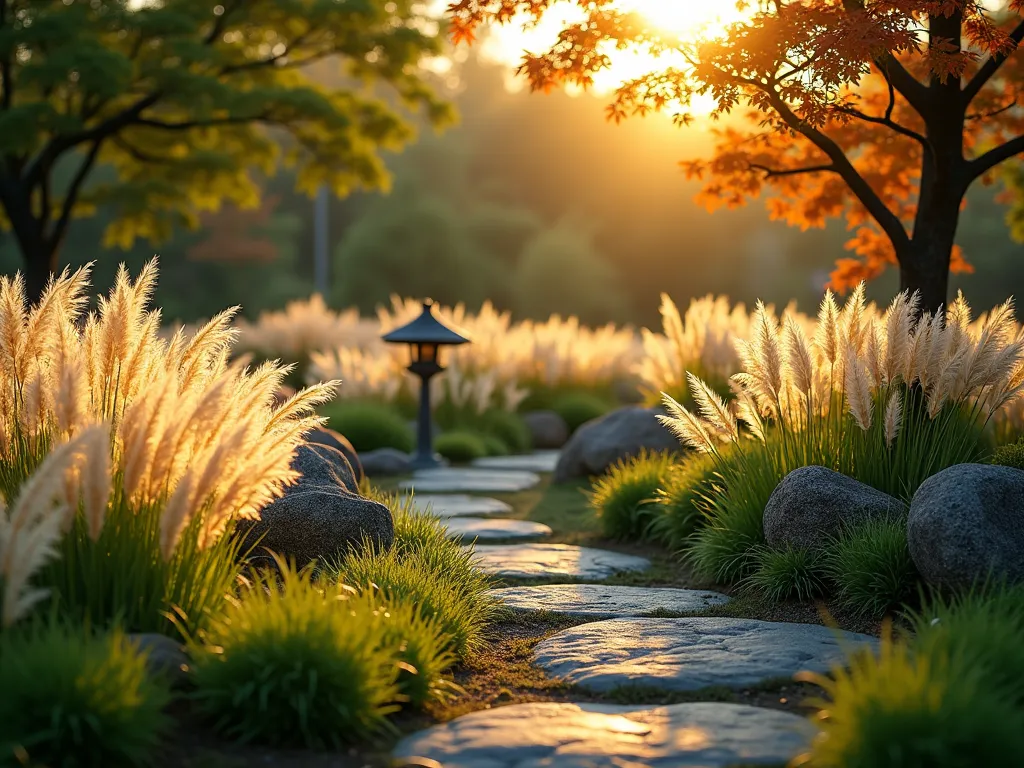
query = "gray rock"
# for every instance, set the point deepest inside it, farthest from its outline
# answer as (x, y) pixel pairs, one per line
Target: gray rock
(621, 434)
(692, 653)
(316, 522)
(538, 561)
(323, 466)
(967, 523)
(384, 462)
(448, 480)
(478, 529)
(539, 461)
(550, 735)
(459, 505)
(814, 504)
(606, 602)
(547, 429)
(329, 437)
(164, 657)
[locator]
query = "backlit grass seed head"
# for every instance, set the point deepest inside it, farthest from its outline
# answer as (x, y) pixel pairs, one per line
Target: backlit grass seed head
(169, 411)
(893, 417)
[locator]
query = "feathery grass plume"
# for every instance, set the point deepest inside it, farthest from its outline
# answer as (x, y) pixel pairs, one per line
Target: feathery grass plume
(33, 523)
(180, 444)
(713, 410)
(937, 382)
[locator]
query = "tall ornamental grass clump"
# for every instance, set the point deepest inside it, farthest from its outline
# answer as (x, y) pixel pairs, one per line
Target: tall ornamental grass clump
(429, 569)
(625, 498)
(947, 695)
(71, 698)
(888, 399)
(125, 458)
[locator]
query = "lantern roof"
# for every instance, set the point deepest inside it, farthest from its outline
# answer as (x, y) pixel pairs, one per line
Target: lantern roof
(425, 329)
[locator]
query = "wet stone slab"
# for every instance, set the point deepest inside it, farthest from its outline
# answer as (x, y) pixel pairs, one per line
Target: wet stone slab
(538, 561)
(472, 480)
(548, 735)
(691, 653)
(604, 601)
(470, 528)
(459, 505)
(539, 461)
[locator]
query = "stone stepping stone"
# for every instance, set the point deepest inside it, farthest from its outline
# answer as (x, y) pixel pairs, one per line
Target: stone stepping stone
(459, 505)
(470, 528)
(693, 653)
(539, 461)
(452, 480)
(534, 561)
(547, 735)
(606, 601)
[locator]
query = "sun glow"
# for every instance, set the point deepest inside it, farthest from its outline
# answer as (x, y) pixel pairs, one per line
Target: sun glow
(687, 19)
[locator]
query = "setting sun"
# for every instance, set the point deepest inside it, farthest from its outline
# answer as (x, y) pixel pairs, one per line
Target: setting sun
(685, 18)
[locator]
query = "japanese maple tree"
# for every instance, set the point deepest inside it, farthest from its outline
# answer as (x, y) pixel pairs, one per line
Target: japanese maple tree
(883, 112)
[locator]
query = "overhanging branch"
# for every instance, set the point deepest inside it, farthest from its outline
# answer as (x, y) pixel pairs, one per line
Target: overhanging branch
(992, 158)
(990, 67)
(771, 173)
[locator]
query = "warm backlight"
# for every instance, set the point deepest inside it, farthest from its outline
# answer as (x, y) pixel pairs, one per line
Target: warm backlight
(686, 19)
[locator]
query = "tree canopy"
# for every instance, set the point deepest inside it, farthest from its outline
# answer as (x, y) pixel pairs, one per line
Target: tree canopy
(881, 112)
(165, 109)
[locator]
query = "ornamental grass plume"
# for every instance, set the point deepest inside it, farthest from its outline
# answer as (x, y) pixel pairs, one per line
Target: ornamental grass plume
(889, 399)
(180, 444)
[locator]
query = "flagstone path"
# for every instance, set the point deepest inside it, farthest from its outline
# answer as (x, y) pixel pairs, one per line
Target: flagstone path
(696, 735)
(476, 480)
(537, 561)
(667, 654)
(539, 461)
(471, 528)
(459, 505)
(606, 602)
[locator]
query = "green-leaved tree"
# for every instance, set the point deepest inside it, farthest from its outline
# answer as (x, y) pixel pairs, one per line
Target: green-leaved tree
(163, 109)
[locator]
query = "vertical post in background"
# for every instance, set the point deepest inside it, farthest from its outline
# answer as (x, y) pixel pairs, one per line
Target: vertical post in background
(320, 248)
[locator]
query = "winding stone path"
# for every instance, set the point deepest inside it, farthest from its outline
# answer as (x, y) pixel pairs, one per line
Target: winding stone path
(692, 653)
(470, 528)
(604, 601)
(455, 480)
(459, 505)
(539, 461)
(695, 735)
(533, 561)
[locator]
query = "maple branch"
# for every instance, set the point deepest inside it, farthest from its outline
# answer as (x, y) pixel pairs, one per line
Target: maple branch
(994, 112)
(770, 173)
(887, 220)
(991, 65)
(994, 157)
(887, 121)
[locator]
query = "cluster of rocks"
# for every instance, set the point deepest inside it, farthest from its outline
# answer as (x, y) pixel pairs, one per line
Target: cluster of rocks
(964, 524)
(323, 514)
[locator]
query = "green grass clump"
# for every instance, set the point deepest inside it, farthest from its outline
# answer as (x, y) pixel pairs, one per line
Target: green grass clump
(71, 699)
(296, 663)
(946, 695)
(496, 446)
(903, 709)
(1010, 455)
(427, 568)
(787, 574)
(577, 408)
(368, 425)
(872, 568)
(678, 514)
(460, 447)
(509, 428)
(624, 497)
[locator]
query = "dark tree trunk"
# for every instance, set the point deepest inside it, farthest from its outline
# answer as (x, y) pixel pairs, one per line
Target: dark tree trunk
(38, 253)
